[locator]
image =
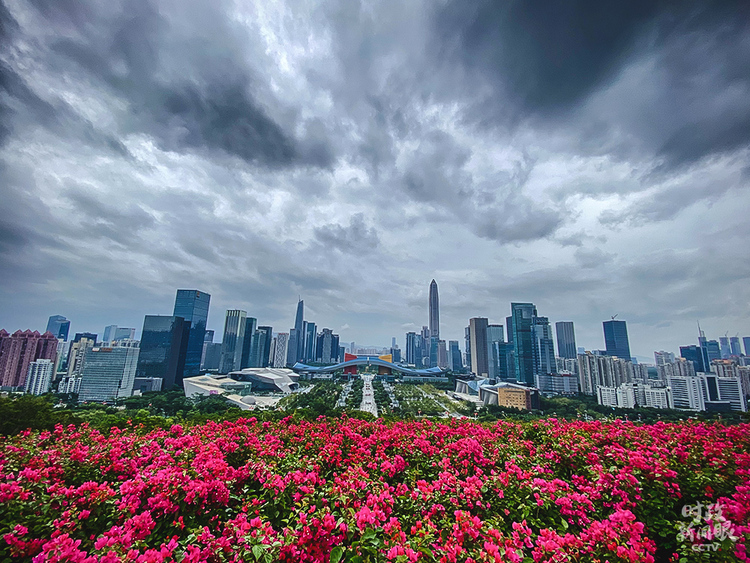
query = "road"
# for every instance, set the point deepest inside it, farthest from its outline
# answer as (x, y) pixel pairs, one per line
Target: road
(368, 396)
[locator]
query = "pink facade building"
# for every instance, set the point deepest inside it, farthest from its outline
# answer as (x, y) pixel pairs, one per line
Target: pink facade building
(19, 349)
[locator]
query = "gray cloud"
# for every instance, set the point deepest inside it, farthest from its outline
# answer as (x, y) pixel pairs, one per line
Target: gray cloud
(356, 238)
(589, 157)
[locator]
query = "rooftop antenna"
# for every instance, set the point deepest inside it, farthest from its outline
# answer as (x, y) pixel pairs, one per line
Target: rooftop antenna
(701, 334)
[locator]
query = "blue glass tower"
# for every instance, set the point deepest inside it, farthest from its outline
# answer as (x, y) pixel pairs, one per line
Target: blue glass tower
(163, 344)
(192, 306)
(522, 319)
(59, 326)
(616, 339)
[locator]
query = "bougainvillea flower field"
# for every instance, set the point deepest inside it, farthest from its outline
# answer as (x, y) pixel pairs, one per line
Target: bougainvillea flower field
(344, 489)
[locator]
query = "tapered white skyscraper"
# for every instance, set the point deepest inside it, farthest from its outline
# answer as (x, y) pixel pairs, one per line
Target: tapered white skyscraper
(434, 310)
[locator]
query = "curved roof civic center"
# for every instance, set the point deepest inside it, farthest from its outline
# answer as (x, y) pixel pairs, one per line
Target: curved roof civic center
(367, 361)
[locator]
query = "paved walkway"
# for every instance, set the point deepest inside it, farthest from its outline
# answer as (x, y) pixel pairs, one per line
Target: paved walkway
(368, 396)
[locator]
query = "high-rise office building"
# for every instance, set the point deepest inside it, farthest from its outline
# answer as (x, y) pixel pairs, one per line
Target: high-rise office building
(726, 351)
(77, 355)
(279, 358)
(746, 344)
(434, 344)
(164, 341)
(434, 310)
(413, 349)
(693, 354)
(442, 360)
(109, 372)
(192, 306)
(109, 333)
(467, 347)
(479, 356)
(327, 346)
(234, 336)
(88, 335)
(495, 336)
(426, 346)
(566, 339)
(522, 319)
(39, 377)
(311, 337)
(261, 347)
(616, 339)
(454, 356)
(18, 350)
(543, 346)
(114, 333)
(246, 359)
(299, 331)
(59, 326)
(734, 346)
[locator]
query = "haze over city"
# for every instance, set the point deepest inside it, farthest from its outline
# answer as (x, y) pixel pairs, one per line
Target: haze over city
(348, 153)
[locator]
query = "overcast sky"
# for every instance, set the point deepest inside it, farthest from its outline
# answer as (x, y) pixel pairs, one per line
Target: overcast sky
(592, 157)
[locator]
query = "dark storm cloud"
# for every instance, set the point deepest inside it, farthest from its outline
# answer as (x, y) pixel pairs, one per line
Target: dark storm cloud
(547, 54)
(544, 60)
(176, 93)
(356, 238)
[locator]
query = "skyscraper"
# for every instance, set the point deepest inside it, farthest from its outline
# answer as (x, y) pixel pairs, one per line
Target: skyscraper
(693, 354)
(246, 360)
(311, 336)
(413, 349)
(21, 348)
(261, 347)
(522, 319)
(544, 348)
(426, 346)
(59, 326)
(495, 336)
(299, 331)
(454, 356)
(279, 358)
(734, 346)
(109, 372)
(566, 339)
(434, 310)
(746, 344)
(163, 347)
(478, 337)
(616, 339)
(231, 345)
(726, 351)
(192, 306)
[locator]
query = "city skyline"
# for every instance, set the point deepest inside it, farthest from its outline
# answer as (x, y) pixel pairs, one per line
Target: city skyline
(351, 153)
(402, 339)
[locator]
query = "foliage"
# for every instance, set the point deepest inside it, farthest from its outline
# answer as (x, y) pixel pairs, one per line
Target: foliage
(348, 490)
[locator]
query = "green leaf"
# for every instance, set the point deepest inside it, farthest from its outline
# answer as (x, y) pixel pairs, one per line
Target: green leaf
(336, 554)
(258, 552)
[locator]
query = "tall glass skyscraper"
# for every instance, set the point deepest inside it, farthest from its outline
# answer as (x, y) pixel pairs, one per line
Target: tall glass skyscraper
(59, 326)
(544, 347)
(566, 340)
(522, 318)
(495, 336)
(192, 306)
(299, 331)
(163, 349)
(616, 339)
(434, 310)
(479, 353)
(251, 325)
(231, 345)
